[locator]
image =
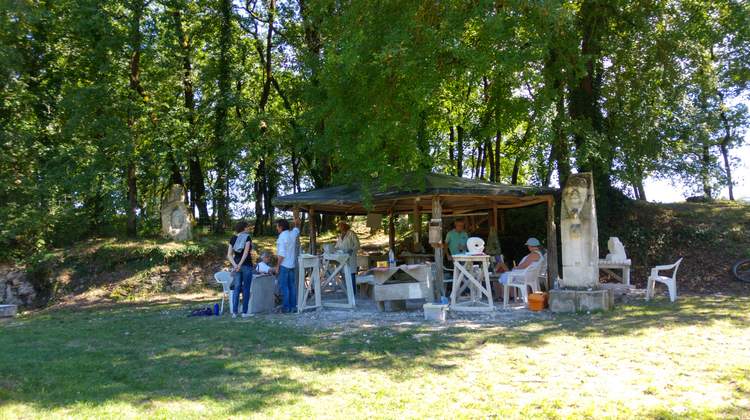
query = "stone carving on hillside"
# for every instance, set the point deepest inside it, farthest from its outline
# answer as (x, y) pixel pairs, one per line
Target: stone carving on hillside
(15, 287)
(175, 217)
(580, 247)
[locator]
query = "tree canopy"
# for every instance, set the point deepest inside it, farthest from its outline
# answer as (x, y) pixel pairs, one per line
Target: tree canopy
(104, 105)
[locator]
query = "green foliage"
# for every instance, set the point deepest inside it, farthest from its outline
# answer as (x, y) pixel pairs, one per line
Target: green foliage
(103, 105)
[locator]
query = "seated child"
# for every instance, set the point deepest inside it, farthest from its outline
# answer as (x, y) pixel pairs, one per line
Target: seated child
(264, 265)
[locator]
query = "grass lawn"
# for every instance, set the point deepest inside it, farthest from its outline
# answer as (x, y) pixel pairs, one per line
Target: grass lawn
(689, 359)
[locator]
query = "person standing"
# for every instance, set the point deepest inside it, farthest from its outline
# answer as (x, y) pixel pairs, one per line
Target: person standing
(456, 240)
(286, 261)
(238, 254)
(348, 242)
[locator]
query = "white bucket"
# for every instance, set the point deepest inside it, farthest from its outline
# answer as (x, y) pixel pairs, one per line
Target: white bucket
(435, 312)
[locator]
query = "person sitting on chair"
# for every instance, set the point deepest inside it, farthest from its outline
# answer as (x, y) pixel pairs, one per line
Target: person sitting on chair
(534, 255)
(264, 266)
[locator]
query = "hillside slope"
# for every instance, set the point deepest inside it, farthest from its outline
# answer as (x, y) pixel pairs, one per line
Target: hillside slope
(711, 237)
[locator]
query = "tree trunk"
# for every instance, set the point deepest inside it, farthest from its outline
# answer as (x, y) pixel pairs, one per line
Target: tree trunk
(198, 191)
(196, 183)
(498, 143)
(727, 169)
(460, 151)
(584, 92)
(220, 124)
(705, 172)
(640, 189)
(258, 190)
(138, 92)
(560, 146)
(516, 169)
(491, 154)
(131, 227)
(724, 147)
(451, 143)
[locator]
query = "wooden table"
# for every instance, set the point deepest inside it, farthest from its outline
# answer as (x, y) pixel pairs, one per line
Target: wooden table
(608, 266)
(464, 277)
(308, 283)
(339, 275)
(397, 293)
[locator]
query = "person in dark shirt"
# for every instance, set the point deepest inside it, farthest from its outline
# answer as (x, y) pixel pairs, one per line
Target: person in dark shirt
(238, 254)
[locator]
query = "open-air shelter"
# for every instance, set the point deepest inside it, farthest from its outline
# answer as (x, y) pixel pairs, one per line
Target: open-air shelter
(436, 194)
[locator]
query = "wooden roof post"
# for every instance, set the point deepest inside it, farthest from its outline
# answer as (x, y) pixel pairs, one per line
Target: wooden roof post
(552, 262)
(391, 231)
(438, 286)
(311, 211)
(417, 226)
(295, 214)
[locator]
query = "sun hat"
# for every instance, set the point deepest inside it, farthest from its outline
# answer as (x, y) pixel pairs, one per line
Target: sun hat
(533, 242)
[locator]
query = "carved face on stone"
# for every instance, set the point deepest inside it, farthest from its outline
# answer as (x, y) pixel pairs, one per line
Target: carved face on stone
(576, 195)
(178, 219)
(175, 194)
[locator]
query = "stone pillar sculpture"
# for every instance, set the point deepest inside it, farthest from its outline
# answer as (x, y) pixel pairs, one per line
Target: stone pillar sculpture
(175, 217)
(580, 246)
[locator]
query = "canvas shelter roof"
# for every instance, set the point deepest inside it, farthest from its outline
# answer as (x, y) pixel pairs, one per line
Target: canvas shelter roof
(457, 194)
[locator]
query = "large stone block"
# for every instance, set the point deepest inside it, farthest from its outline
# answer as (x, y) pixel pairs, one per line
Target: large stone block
(262, 294)
(561, 300)
(595, 300)
(8, 311)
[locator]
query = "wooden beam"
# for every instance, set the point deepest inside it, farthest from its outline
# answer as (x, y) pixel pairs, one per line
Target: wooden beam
(552, 262)
(392, 231)
(417, 225)
(311, 212)
(438, 286)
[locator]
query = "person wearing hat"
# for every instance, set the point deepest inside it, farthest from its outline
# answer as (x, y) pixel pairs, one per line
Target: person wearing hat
(348, 242)
(534, 255)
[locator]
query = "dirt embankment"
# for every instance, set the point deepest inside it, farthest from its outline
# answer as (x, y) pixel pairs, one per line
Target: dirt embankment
(710, 238)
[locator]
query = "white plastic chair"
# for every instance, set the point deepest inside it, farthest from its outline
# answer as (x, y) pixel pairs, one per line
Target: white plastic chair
(523, 279)
(671, 282)
(225, 278)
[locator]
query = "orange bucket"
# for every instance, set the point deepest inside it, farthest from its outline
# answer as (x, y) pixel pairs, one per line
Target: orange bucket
(538, 301)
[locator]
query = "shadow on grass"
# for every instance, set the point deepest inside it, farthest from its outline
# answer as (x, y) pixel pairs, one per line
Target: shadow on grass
(146, 354)
(143, 354)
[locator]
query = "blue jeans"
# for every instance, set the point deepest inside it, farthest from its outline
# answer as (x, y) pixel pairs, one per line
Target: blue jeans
(242, 281)
(288, 287)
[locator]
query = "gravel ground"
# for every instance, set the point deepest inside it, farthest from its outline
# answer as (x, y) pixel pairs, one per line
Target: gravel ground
(367, 315)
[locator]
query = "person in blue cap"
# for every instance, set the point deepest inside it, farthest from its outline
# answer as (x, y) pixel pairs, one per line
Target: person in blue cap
(534, 255)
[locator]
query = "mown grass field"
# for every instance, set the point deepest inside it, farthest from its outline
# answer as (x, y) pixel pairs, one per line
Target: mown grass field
(644, 360)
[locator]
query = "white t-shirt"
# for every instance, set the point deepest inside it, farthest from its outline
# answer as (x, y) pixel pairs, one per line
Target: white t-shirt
(263, 268)
(286, 247)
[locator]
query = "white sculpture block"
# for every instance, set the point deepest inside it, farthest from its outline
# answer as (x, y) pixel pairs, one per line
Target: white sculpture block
(175, 216)
(580, 249)
(616, 250)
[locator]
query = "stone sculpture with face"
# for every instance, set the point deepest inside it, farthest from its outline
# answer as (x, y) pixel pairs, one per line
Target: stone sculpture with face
(580, 249)
(175, 216)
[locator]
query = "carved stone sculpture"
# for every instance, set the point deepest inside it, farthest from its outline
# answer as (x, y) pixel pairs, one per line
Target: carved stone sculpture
(175, 217)
(616, 250)
(580, 249)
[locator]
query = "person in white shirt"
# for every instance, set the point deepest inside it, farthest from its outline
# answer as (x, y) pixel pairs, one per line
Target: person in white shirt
(264, 266)
(286, 260)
